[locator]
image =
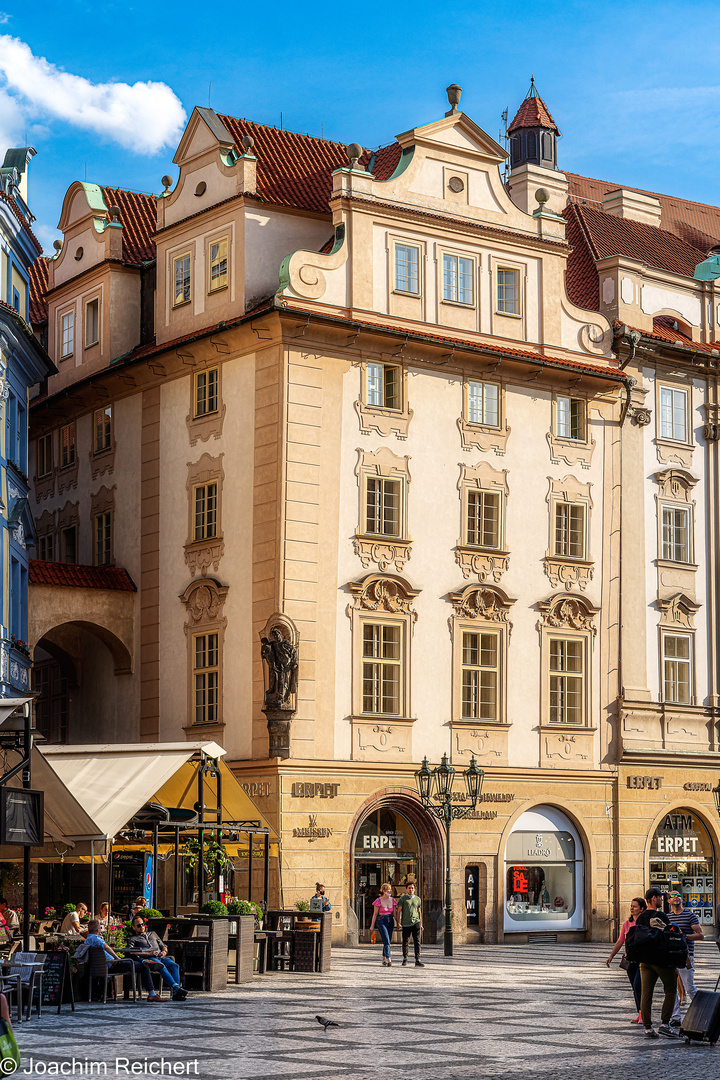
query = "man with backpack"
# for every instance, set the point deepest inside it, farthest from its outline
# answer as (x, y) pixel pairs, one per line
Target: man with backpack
(659, 963)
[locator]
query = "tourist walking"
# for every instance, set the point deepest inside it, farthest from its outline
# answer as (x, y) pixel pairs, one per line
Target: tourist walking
(637, 905)
(686, 920)
(384, 918)
(407, 916)
(650, 972)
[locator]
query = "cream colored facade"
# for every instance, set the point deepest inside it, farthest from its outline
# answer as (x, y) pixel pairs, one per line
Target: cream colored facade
(497, 530)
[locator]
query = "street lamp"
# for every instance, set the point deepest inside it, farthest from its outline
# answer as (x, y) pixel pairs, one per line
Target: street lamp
(716, 797)
(435, 788)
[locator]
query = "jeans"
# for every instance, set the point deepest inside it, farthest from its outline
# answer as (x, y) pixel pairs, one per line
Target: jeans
(385, 925)
(123, 967)
(650, 973)
(166, 968)
(408, 932)
(633, 974)
(688, 980)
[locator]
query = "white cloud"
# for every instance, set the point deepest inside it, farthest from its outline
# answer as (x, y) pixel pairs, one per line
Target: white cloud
(143, 117)
(4, 18)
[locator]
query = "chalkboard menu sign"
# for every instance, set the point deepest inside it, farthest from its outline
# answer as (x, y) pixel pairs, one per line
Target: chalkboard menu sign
(56, 981)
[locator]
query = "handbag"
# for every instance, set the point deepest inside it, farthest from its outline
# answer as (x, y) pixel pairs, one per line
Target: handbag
(372, 938)
(9, 1052)
(625, 963)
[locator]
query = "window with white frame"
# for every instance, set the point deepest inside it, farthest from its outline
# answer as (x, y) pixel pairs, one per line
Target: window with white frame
(407, 269)
(92, 323)
(677, 668)
(67, 445)
(384, 386)
(480, 675)
(205, 527)
(383, 506)
(206, 392)
(44, 464)
(676, 534)
(382, 676)
(483, 518)
(674, 414)
(483, 403)
(206, 677)
(508, 291)
(567, 681)
(570, 530)
(181, 278)
(103, 429)
(67, 334)
(458, 280)
(218, 263)
(570, 416)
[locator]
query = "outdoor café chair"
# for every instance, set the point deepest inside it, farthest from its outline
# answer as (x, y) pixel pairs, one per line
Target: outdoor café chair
(97, 968)
(27, 973)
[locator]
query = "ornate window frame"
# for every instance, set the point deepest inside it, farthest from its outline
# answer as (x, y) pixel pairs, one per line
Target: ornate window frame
(377, 418)
(210, 424)
(566, 450)
(101, 503)
(385, 599)
(675, 491)
(67, 475)
(669, 450)
(386, 551)
(480, 609)
(102, 461)
(484, 437)
(201, 554)
(204, 600)
(568, 618)
(563, 569)
(677, 619)
(484, 562)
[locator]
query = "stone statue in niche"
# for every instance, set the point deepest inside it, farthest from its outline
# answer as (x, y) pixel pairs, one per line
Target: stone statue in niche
(280, 657)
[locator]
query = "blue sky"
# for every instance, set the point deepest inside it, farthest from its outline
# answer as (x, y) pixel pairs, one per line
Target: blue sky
(632, 86)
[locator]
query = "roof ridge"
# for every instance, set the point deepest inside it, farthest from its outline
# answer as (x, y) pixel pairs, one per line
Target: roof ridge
(640, 191)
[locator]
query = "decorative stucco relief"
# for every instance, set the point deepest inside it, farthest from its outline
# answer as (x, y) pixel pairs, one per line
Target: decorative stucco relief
(378, 593)
(487, 744)
(481, 564)
(568, 612)
(560, 750)
(303, 270)
(480, 437)
(571, 451)
(381, 741)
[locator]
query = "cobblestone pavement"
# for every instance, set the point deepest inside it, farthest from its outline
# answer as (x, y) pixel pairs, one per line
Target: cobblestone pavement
(546, 1012)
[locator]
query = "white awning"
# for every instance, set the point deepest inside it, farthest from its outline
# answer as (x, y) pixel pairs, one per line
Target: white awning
(112, 782)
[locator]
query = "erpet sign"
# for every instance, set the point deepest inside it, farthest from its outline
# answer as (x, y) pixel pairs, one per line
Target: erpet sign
(314, 791)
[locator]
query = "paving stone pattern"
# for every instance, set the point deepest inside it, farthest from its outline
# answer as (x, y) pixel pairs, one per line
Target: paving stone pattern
(546, 1012)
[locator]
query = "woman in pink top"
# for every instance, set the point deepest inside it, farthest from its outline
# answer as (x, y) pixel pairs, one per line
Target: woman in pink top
(384, 918)
(637, 905)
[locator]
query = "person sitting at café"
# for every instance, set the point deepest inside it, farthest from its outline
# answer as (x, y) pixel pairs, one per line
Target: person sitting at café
(139, 906)
(116, 965)
(103, 916)
(11, 917)
(157, 959)
(71, 923)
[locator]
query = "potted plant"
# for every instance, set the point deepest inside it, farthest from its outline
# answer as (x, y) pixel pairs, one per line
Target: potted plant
(244, 912)
(215, 908)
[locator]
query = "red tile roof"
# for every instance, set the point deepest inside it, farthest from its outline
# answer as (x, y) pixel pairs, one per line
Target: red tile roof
(38, 288)
(533, 113)
(582, 280)
(138, 215)
(665, 330)
(74, 576)
(696, 223)
(295, 170)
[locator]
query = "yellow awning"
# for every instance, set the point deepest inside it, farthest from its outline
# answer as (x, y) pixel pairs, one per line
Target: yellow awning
(181, 790)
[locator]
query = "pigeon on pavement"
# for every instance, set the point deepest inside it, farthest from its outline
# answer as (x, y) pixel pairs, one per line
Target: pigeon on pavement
(326, 1023)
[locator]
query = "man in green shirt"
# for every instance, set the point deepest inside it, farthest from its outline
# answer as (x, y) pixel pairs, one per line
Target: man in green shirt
(407, 915)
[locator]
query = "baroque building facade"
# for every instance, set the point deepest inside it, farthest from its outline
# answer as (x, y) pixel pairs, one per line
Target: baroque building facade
(344, 466)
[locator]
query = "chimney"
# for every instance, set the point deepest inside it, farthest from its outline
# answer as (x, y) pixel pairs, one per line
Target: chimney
(634, 206)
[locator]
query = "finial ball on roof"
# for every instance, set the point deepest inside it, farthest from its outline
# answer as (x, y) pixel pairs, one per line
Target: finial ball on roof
(247, 143)
(57, 244)
(114, 213)
(542, 195)
(454, 93)
(354, 152)
(166, 182)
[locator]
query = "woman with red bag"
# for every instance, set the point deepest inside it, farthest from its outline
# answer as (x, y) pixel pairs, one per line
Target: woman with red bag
(637, 906)
(383, 916)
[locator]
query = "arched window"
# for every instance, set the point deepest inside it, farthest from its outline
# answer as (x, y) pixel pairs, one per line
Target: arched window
(544, 873)
(547, 146)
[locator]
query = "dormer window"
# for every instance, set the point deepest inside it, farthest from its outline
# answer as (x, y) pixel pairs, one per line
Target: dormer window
(181, 275)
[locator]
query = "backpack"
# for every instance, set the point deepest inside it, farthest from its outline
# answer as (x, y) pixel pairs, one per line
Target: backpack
(648, 945)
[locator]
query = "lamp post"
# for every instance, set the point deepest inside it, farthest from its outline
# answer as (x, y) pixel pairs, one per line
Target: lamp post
(435, 788)
(716, 797)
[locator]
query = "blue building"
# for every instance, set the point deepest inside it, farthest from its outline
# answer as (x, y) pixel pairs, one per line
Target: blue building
(23, 364)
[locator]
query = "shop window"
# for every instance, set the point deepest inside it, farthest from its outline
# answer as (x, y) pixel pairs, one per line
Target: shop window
(544, 873)
(682, 857)
(51, 707)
